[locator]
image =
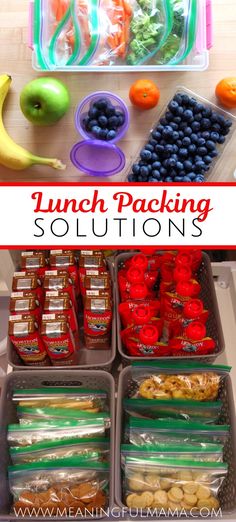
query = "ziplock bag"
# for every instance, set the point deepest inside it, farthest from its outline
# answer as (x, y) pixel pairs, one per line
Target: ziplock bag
(168, 483)
(59, 397)
(150, 431)
(168, 380)
(59, 485)
(183, 35)
(204, 452)
(31, 415)
(92, 449)
(207, 412)
(23, 435)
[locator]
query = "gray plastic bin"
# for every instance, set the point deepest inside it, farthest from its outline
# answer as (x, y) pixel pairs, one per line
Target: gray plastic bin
(22, 380)
(227, 494)
(208, 295)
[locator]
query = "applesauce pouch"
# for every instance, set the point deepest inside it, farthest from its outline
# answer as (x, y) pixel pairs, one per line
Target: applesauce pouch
(25, 336)
(97, 322)
(58, 339)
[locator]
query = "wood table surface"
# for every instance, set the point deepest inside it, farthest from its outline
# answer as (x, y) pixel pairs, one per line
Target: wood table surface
(56, 141)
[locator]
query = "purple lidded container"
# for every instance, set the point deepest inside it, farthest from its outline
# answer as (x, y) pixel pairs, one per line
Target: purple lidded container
(99, 157)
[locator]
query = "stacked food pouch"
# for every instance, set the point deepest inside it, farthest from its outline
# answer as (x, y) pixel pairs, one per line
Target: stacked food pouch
(96, 292)
(59, 450)
(173, 450)
(160, 308)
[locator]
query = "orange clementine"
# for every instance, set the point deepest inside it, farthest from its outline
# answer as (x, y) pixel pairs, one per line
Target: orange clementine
(226, 92)
(144, 94)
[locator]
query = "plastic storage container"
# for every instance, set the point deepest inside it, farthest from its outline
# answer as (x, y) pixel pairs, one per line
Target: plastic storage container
(227, 494)
(87, 37)
(94, 359)
(217, 161)
(34, 379)
(208, 296)
(97, 157)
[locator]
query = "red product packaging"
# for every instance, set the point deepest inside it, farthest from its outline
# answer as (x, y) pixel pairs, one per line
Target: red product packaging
(23, 281)
(24, 335)
(140, 264)
(131, 277)
(88, 272)
(97, 322)
(34, 261)
(59, 301)
(193, 310)
(191, 258)
(58, 339)
(25, 303)
(143, 340)
(66, 260)
(172, 303)
(193, 342)
(59, 280)
(126, 310)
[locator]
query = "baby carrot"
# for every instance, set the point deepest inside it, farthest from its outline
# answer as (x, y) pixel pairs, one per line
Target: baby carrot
(127, 8)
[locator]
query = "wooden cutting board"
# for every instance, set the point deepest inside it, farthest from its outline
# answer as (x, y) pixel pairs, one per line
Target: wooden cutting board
(15, 59)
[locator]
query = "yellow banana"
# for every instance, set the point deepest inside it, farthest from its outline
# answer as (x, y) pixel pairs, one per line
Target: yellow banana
(12, 155)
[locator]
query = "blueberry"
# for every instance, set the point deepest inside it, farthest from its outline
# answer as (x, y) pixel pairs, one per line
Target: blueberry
(201, 142)
(103, 134)
(131, 178)
(188, 131)
(228, 123)
(198, 117)
(110, 111)
(182, 174)
(192, 102)
(159, 148)
(194, 138)
(196, 126)
(214, 117)
(156, 165)
(178, 179)
(175, 136)
(174, 126)
(159, 128)
(92, 123)
(192, 176)
(173, 106)
(205, 123)
(136, 168)
(154, 156)
(144, 171)
(93, 112)
(183, 125)
(199, 179)
(168, 179)
(113, 122)
(179, 143)
(225, 131)
(221, 120)
(207, 159)
(153, 142)
(186, 141)
(177, 98)
(179, 165)
(214, 136)
(192, 148)
(121, 118)
(101, 103)
(180, 111)
(167, 131)
(199, 165)
(165, 163)
(216, 127)
(156, 135)
(175, 157)
(96, 130)
(188, 165)
(156, 174)
(163, 121)
(142, 178)
(202, 151)
(186, 178)
(169, 148)
(86, 122)
(221, 140)
(171, 162)
(175, 148)
(183, 152)
(102, 120)
(177, 119)
(168, 116)
(185, 99)
(181, 134)
(111, 135)
(149, 147)
(151, 180)
(210, 145)
(198, 158)
(199, 107)
(207, 112)
(163, 171)
(206, 135)
(188, 115)
(145, 155)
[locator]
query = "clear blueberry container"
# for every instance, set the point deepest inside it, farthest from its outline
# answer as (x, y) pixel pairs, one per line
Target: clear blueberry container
(94, 156)
(216, 167)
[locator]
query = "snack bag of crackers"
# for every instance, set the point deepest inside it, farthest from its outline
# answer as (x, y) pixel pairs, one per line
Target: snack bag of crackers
(92, 448)
(71, 485)
(173, 484)
(75, 398)
(184, 380)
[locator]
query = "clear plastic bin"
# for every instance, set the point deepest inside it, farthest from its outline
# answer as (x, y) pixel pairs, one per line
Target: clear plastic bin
(53, 50)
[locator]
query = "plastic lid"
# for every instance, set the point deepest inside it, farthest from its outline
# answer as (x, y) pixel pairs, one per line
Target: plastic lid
(149, 334)
(141, 314)
(184, 288)
(193, 308)
(182, 273)
(138, 291)
(97, 158)
(184, 258)
(135, 275)
(140, 261)
(195, 331)
(167, 272)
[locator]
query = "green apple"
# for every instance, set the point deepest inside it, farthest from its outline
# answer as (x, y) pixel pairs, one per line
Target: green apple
(44, 101)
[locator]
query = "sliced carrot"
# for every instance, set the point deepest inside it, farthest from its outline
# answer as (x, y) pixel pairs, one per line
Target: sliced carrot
(127, 8)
